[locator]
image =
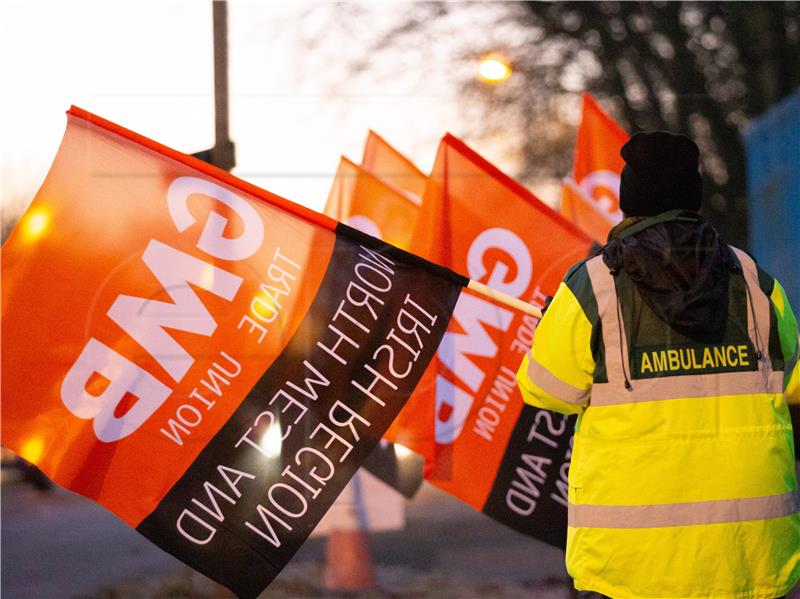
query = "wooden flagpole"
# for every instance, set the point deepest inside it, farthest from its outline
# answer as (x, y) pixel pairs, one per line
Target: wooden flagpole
(505, 299)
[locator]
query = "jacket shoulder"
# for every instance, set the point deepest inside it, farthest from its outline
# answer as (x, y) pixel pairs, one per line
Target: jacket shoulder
(765, 280)
(578, 281)
(578, 269)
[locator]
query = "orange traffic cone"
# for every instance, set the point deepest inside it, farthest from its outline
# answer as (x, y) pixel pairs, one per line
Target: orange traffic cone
(348, 563)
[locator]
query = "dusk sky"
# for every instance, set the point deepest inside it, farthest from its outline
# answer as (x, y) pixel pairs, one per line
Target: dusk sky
(295, 103)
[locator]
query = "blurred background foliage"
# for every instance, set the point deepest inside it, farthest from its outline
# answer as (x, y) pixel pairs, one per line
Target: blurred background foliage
(703, 69)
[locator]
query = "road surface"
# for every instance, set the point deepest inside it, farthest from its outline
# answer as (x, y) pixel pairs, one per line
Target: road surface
(60, 545)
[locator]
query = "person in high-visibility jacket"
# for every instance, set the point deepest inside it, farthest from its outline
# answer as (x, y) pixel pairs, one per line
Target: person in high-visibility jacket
(679, 355)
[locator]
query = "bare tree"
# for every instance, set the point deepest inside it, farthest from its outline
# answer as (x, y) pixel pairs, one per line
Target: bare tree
(699, 68)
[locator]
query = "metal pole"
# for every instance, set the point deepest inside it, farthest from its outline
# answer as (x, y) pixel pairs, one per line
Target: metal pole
(222, 154)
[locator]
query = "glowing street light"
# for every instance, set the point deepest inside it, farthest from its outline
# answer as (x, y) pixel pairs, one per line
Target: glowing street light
(35, 223)
(271, 441)
(401, 451)
(494, 69)
(32, 449)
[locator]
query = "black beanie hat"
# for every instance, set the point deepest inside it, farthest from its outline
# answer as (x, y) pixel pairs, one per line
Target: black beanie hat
(660, 174)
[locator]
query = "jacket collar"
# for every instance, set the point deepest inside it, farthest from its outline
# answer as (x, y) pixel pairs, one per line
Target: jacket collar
(633, 225)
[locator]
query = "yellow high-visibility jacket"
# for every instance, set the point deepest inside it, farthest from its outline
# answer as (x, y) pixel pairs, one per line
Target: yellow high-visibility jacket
(682, 481)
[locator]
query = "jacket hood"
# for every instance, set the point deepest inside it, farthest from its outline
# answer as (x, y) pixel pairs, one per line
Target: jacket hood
(681, 268)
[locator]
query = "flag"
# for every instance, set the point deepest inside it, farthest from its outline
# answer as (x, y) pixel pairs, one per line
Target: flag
(591, 196)
(586, 214)
(208, 361)
(467, 417)
(382, 209)
(372, 205)
(386, 163)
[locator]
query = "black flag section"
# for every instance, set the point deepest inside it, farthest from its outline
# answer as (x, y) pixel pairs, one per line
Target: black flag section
(248, 502)
(529, 493)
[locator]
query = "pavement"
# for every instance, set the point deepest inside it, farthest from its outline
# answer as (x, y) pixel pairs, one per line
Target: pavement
(60, 545)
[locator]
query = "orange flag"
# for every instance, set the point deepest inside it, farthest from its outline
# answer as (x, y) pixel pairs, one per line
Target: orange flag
(208, 361)
(466, 416)
(585, 213)
(591, 196)
(381, 208)
(383, 161)
(382, 197)
(372, 205)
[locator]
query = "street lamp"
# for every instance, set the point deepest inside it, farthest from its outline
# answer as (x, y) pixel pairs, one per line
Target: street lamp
(494, 69)
(35, 223)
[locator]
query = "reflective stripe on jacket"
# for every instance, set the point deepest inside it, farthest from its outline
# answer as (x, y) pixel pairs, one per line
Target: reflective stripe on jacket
(682, 482)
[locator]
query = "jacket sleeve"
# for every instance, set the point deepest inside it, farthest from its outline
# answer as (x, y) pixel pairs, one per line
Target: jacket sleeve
(790, 343)
(557, 373)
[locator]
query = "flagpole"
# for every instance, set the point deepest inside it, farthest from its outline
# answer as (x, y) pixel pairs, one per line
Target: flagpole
(505, 299)
(223, 154)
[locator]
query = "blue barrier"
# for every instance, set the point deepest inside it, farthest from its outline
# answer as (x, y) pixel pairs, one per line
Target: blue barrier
(773, 188)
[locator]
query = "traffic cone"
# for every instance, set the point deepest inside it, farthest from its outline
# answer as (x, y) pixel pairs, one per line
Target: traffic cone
(348, 563)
